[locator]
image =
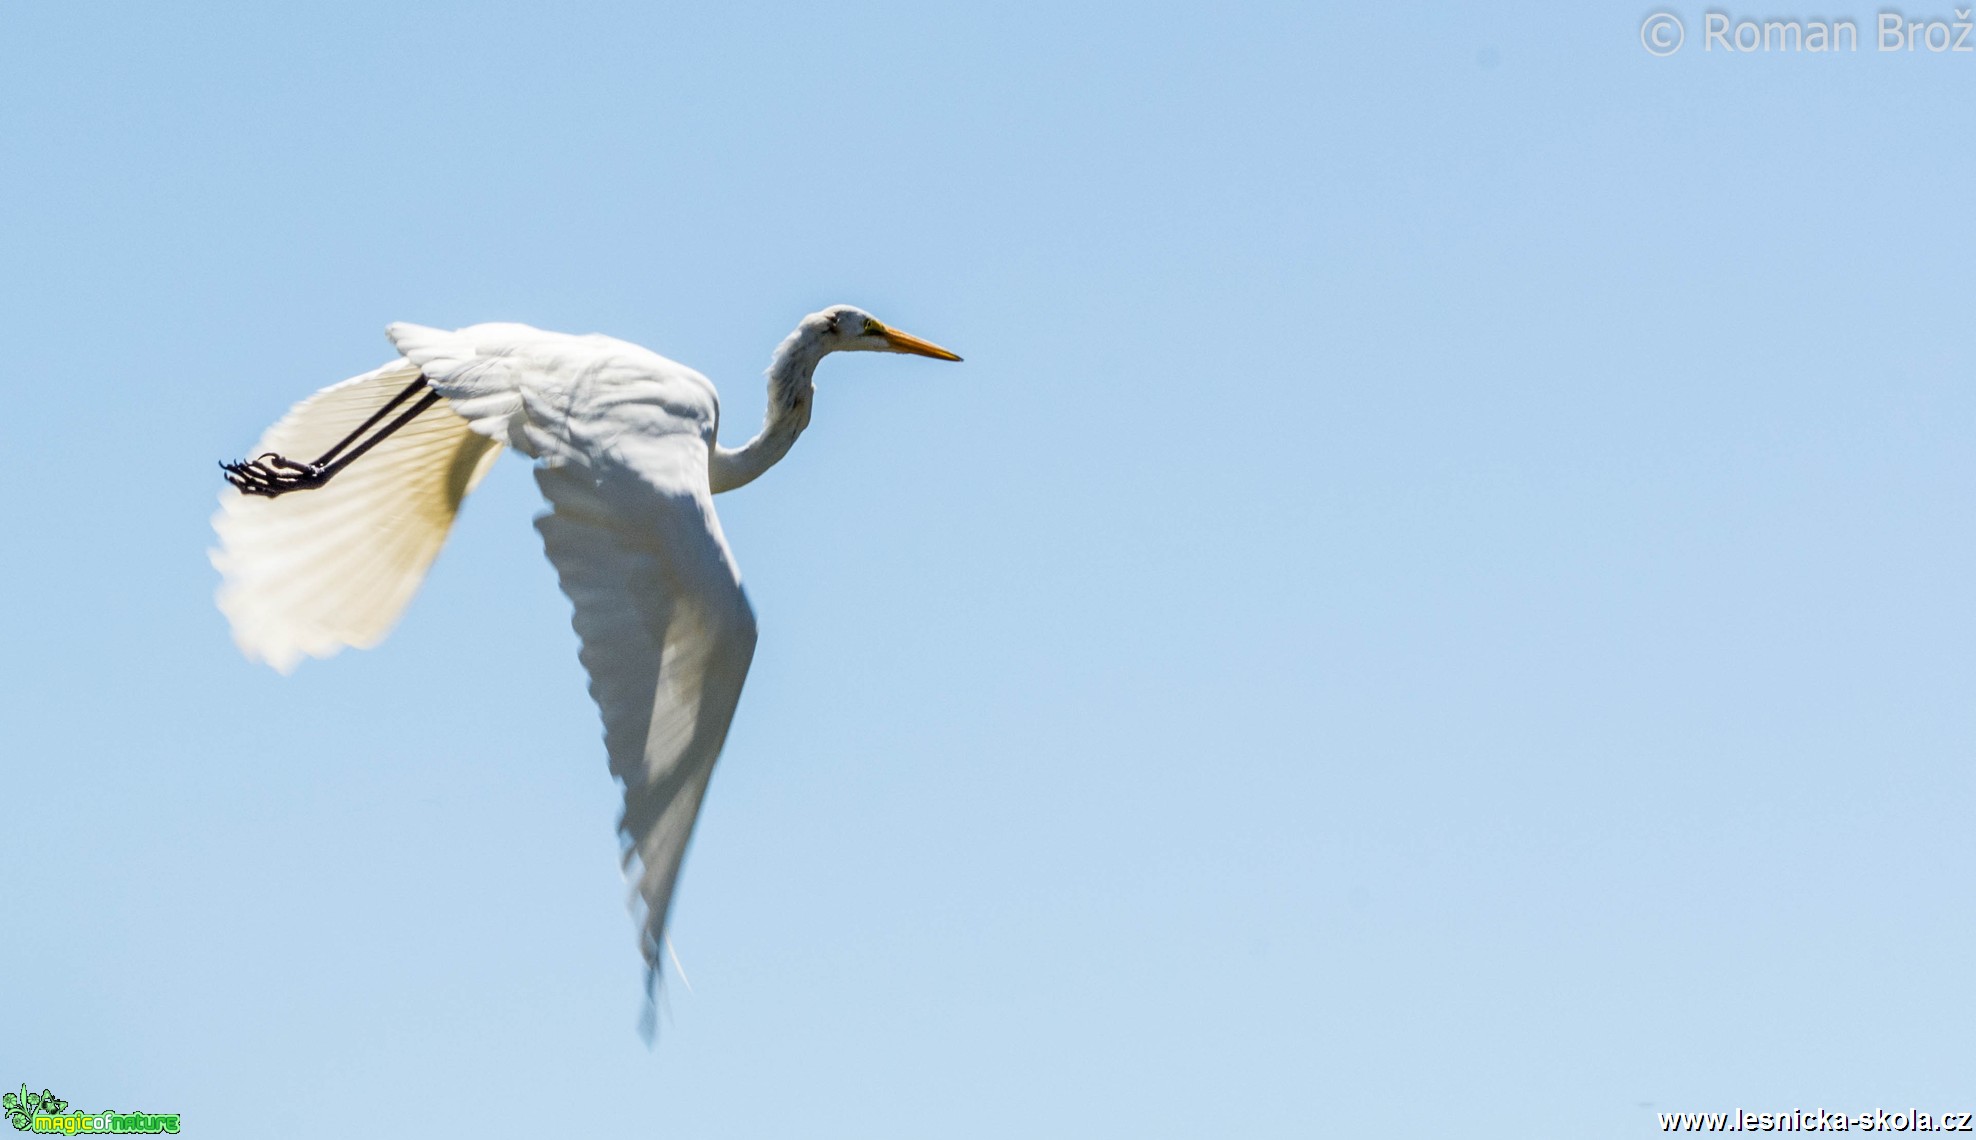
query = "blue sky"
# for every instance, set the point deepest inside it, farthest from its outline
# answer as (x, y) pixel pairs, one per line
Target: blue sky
(1438, 604)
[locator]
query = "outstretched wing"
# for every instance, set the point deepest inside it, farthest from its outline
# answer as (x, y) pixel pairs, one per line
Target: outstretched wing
(666, 630)
(667, 637)
(309, 573)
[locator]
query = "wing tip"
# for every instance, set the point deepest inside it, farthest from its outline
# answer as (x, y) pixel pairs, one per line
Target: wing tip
(263, 643)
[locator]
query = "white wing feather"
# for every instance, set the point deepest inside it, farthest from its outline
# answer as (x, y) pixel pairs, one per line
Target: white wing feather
(309, 573)
(667, 634)
(667, 637)
(623, 437)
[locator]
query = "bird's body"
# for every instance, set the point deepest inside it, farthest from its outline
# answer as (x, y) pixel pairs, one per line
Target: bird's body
(624, 441)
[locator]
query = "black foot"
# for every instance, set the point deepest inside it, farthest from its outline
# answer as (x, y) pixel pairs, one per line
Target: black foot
(272, 475)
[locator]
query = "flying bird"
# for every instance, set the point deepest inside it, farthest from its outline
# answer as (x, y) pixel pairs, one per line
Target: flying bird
(625, 454)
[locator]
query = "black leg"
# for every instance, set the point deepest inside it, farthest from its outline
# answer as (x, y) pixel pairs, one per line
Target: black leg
(272, 474)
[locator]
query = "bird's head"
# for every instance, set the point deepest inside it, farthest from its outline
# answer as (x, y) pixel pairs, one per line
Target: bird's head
(847, 328)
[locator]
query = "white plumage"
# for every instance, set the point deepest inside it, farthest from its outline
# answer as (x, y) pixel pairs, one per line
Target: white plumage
(306, 575)
(627, 459)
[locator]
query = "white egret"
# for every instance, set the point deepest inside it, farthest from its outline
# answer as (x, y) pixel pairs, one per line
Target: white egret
(626, 455)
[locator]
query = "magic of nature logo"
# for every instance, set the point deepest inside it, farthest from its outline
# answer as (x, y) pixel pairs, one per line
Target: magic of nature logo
(47, 1113)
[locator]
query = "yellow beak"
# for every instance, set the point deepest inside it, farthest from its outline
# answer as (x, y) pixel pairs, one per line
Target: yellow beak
(907, 342)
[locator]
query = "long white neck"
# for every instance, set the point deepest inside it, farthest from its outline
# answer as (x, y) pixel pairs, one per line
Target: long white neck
(789, 392)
